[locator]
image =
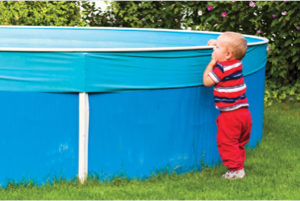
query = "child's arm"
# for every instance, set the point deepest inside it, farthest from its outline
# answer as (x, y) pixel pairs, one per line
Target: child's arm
(208, 81)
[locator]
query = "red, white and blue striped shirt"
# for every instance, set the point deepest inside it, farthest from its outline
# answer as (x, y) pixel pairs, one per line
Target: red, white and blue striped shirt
(230, 88)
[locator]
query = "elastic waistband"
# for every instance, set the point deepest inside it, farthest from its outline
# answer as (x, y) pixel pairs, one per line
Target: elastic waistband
(236, 110)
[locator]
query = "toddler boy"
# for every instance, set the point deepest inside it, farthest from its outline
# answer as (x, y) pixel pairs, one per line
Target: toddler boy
(234, 122)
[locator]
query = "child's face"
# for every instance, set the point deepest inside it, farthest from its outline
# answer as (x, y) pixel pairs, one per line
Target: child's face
(221, 52)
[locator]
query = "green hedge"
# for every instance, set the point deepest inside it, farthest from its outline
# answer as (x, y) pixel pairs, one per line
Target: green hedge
(40, 13)
(277, 21)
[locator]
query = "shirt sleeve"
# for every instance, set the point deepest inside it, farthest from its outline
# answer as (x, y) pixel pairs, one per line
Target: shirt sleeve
(217, 74)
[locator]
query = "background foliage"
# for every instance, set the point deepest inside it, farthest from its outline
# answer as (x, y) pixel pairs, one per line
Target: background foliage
(277, 21)
(40, 13)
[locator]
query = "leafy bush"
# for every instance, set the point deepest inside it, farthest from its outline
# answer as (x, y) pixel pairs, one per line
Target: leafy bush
(136, 14)
(277, 21)
(40, 13)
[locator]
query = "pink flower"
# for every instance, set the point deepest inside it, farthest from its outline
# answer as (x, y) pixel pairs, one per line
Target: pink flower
(224, 14)
(274, 15)
(258, 31)
(268, 48)
(209, 7)
(215, 25)
(252, 4)
(298, 28)
(284, 13)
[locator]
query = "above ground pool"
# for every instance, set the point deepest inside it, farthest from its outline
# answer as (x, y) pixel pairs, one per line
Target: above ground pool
(112, 102)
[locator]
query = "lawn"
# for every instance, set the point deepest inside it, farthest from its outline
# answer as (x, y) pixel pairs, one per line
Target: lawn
(273, 172)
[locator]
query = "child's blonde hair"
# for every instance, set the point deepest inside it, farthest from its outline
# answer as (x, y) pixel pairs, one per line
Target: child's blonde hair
(236, 43)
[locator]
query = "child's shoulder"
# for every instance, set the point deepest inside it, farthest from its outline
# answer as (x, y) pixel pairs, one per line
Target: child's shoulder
(229, 63)
(230, 66)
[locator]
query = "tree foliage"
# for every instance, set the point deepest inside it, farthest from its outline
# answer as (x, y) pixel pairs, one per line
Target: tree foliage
(40, 13)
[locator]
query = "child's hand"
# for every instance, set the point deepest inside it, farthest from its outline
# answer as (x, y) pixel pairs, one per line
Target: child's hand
(213, 59)
(212, 42)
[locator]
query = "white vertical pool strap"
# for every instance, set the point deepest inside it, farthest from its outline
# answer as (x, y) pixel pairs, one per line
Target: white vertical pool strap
(83, 136)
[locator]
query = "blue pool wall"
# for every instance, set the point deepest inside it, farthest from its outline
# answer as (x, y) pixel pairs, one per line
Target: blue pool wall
(39, 136)
(132, 133)
(161, 130)
(139, 124)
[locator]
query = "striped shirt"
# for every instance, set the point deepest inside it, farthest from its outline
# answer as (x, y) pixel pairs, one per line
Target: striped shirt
(230, 88)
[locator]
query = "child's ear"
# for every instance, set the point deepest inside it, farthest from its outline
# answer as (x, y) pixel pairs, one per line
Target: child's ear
(229, 55)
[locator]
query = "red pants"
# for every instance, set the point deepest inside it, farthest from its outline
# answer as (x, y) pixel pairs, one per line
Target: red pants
(234, 129)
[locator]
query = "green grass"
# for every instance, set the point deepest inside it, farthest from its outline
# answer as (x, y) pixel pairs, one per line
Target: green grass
(273, 172)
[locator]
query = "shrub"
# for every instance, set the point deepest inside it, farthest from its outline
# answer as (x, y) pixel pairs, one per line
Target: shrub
(40, 13)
